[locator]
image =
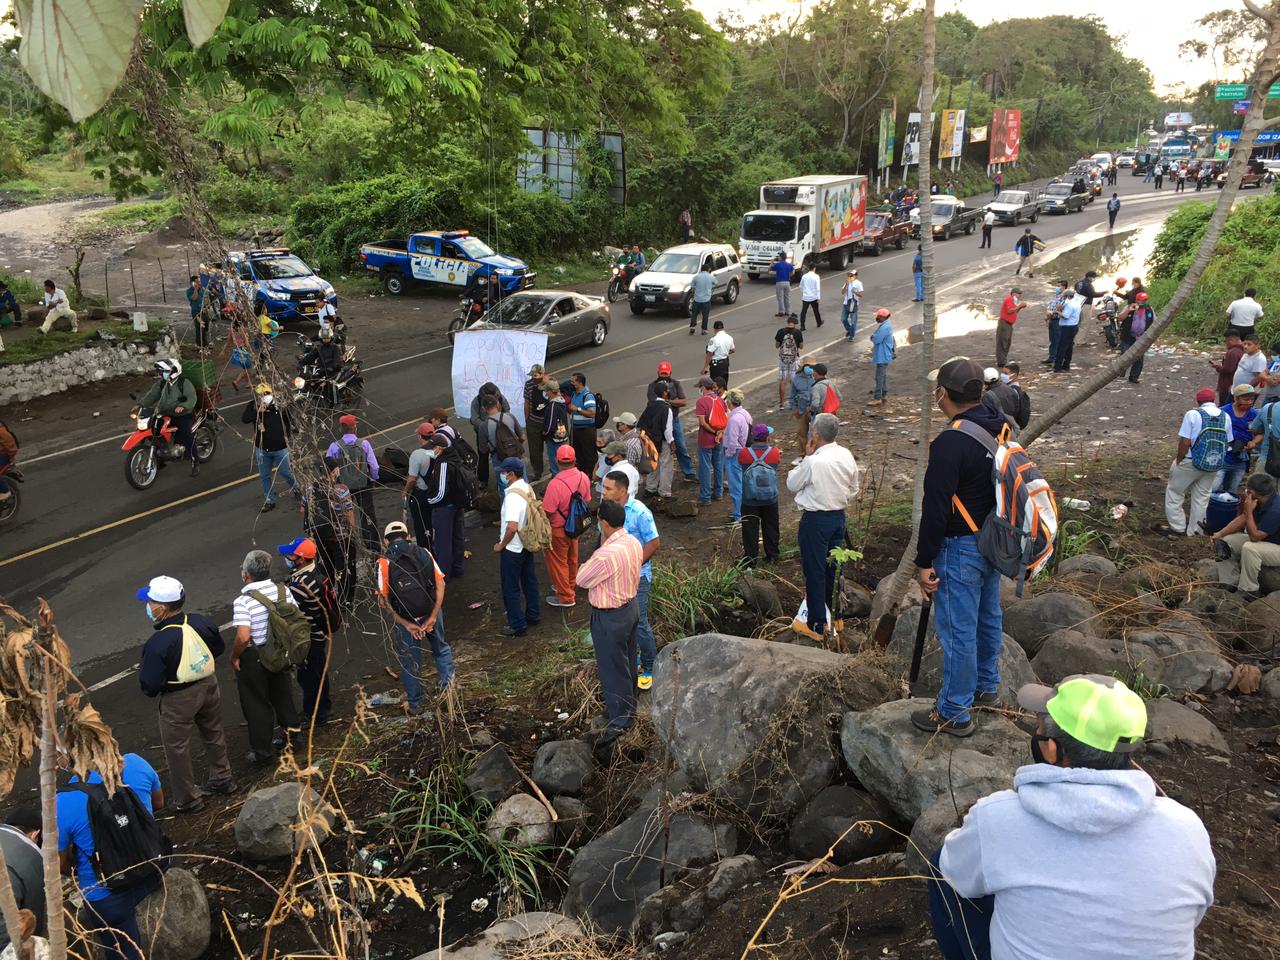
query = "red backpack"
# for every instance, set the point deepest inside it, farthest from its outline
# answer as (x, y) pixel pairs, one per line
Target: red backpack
(718, 419)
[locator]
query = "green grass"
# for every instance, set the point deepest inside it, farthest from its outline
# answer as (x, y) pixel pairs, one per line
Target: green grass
(50, 178)
(682, 600)
(40, 347)
(528, 676)
(24, 288)
(141, 216)
(577, 270)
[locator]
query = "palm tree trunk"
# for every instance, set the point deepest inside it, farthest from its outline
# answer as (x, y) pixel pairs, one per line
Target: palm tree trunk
(901, 577)
(1268, 70)
(49, 794)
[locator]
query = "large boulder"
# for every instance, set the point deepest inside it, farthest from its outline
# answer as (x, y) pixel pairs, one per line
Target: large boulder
(1181, 653)
(910, 769)
(1065, 653)
(563, 766)
(827, 818)
(1271, 684)
(683, 905)
(1224, 609)
(1268, 580)
(174, 919)
(493, 776)
(760, 595)
(522, 821)
(941, 817)
(1012, 664)
(614, 873)
(751, 722)
(269, 825)
(499, 940)
(913, 597)
(1173, 722)
(1262, 623)
(1031, 619)
(1088, 563)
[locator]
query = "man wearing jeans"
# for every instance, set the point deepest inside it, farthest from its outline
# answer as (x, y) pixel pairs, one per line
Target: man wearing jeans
(516, 564)
(702, 284)
(677, 401)
(823, 483)
(640, 524)
(710, 444)
(851, 294)
(964, 586)
(917, 272)
(270, 444)
(411, 588)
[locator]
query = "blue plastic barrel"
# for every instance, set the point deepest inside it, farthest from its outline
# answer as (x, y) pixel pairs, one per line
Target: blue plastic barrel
(1223, 508)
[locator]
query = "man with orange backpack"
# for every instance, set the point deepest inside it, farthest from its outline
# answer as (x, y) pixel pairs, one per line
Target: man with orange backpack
(971, 533)
(713, 418)
(825, 398)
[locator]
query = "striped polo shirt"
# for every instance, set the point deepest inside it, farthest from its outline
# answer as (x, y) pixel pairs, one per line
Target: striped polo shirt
(248, 612)
(612, 575)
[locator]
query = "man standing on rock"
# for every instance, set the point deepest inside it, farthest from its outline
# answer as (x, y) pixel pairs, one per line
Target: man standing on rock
(611, 578)
(1131, 867)
(965, 587)
(1203, 440)
(823, 483)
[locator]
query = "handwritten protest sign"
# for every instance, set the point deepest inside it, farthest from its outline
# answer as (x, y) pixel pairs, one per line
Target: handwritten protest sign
(499, 356)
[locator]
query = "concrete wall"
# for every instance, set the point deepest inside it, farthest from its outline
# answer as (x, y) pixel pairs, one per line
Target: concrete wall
(99, 360)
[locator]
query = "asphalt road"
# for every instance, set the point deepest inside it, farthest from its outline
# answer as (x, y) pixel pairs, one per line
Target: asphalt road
(86, 539)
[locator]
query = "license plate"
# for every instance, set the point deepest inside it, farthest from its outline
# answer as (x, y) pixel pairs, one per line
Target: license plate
(651, 298)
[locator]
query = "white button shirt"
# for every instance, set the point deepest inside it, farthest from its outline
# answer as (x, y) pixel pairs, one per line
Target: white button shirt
(810, 287)
(824, 480)
(720, 346)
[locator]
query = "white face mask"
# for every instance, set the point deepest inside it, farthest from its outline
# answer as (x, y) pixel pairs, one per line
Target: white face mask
(266, 399)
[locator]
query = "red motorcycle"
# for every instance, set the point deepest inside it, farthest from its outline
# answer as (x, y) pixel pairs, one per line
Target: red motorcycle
(154, 442)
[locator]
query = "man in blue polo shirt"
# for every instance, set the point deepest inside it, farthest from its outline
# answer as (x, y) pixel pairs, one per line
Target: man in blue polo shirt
(112, 913)
(782, 270)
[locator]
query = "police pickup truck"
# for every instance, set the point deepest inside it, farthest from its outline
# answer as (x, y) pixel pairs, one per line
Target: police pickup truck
(280, 282)
(449, 257)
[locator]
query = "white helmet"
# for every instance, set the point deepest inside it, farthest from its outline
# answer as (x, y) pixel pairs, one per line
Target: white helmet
(171, 367)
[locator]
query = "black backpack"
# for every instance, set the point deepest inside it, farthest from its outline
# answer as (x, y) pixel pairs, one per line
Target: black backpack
(464, 485)
(602, 411)
(506, 441)
(129, 848)
(466, 452)
(410, 583)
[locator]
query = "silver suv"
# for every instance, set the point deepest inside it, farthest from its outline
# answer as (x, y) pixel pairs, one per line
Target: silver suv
(667, 281)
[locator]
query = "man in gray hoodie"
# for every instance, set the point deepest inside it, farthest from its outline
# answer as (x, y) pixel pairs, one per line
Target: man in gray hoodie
(1081, 857)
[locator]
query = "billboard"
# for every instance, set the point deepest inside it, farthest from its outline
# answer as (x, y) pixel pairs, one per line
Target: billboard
(1177, 119)
(884, 151)
(978, 135)
(1006, 135)
(843, 213)
(951, 138)
(911, 145)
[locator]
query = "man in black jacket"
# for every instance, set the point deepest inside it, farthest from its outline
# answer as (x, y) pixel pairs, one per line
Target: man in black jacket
(270, 442)
(965, 587)
(324, 353)
(318, 601)
(177, 666)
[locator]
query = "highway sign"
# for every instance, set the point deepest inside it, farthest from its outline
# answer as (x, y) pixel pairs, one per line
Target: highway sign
(1238, 91)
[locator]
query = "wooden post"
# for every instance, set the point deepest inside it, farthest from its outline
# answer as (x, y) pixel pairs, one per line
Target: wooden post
(163, 297)
(134, 284)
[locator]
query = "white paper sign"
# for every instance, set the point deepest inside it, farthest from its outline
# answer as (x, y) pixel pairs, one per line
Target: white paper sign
(502, 357)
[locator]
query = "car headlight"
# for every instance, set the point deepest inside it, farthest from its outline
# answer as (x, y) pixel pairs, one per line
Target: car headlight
(506, 272)
(277, 294)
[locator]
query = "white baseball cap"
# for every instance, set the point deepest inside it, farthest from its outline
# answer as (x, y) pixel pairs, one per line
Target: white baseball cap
(162, 590)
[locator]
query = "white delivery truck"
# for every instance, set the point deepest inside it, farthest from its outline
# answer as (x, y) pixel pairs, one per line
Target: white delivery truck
(805, 218)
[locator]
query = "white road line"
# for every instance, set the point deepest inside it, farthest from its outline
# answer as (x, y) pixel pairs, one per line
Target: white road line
(112, 679)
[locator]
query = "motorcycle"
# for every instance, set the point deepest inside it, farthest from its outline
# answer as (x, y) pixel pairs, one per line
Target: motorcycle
(1108, 311)
(620, 282)
(9, 508)
(469, 311)
(154, 442)
(343, 388)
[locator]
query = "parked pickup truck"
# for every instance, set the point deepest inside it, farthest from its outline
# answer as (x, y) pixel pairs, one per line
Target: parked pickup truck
(950, 216)
(1255, 176)
(449, 257)
(1062, 197)
(884, 228)
(1013, 206)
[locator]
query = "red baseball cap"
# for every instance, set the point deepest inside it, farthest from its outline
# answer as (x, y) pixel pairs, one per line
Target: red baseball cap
(1206, 395)
(425, 430)
(565, 454)
(664, 369)
(347, 420)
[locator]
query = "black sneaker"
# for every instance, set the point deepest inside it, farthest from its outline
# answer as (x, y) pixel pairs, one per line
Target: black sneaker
(513, 632)
(930, 721)
(191, 806)
(268, 506)
(221, 789)
(990, 700)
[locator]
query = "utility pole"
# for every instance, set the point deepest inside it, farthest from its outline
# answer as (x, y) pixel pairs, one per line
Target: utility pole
(968, 120)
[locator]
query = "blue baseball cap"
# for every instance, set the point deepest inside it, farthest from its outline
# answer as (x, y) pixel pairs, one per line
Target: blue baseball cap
(161, 590)
(512, 465)
(303, 547)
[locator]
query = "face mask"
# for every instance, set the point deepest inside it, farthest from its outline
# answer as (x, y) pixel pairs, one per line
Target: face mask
(432, 454)
(808, 371)
(291, 564)
(266, 399)
(1037, 755)
(164, 375)
(1004, 378)
(150, 615)
(503, 481)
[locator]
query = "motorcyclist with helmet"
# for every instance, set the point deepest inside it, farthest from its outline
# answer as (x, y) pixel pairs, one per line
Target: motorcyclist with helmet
(324, 353)
(175, 397)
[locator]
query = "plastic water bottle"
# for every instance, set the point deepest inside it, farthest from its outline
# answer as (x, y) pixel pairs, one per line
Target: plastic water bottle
(1075, 504)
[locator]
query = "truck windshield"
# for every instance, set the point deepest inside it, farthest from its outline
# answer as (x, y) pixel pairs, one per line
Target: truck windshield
(677, 263)
(944, 211)
(473, 248)
(877, 221)
(768, 226)
(1058, 190)
(281, 268)
(1011, 196)
(520, 310)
